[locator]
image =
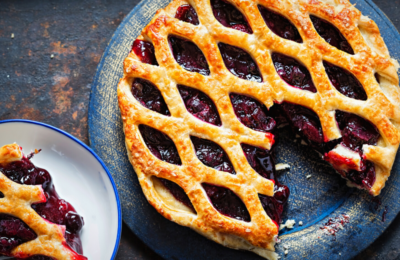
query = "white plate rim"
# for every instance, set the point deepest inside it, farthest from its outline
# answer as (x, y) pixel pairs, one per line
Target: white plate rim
(73, 138)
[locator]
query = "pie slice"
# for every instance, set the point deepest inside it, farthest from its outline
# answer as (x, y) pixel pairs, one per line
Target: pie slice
(208, 83)
(35, 223)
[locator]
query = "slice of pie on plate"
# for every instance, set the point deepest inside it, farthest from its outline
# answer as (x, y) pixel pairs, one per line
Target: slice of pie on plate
(208, 83)
(35, 223)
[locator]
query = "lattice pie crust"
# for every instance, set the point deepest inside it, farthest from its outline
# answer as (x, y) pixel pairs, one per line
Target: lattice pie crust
(381, 108)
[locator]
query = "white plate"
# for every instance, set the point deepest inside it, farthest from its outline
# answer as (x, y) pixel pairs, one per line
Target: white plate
(79, 176)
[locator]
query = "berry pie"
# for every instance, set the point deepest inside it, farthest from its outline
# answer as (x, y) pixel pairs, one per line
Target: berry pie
(208, 83)
(35, 223)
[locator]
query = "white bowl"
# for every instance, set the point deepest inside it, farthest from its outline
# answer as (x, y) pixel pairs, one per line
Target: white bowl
(79, 176)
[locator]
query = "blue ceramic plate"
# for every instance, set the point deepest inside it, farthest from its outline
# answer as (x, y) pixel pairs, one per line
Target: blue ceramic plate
(79, 176)
(313, 201)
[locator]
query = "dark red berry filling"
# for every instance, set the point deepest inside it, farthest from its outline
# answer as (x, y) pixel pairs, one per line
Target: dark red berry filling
(177, 192)
(145, 51)
(149, 96)
(280, 25)
(252, 113)
(187, 14)
(356, 131)
(239, 63)
(304, 121)
(262, 162)
(345, 82)
(199, 105)
(331, 34)
(212, 155)
(13, 232)
(365, 178)
(227, 202)
(188, 55)
(160, 145)
(229, 16)
(275, 205)
(294, 73)
(55, 209)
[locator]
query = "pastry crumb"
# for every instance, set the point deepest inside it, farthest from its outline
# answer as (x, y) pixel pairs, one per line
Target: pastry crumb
(303, 142)
(282, 166)
(288, 224)
(12, 36)
(308, 176)
(300, 223)
(52, 56)
(286, 252)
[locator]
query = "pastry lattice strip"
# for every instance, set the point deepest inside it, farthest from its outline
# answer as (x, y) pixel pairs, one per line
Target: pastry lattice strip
(370, 57)
(17, 202)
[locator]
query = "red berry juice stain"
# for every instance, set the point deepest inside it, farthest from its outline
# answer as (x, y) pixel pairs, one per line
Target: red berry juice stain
(335, 225)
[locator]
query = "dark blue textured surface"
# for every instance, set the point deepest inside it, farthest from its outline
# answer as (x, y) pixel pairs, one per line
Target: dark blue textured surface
(312, 201)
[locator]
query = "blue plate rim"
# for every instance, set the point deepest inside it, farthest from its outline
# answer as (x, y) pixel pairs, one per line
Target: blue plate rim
(97, 158)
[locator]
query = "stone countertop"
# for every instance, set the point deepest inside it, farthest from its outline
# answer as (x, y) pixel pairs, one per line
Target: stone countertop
(49, 54)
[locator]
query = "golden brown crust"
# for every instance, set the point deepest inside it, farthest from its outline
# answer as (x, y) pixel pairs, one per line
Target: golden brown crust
(371, 56)
(17, 202)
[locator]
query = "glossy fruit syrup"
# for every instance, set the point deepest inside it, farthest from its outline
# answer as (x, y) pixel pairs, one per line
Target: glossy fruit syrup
(186, 13)
(331, 34)
(280, 25)
(56, 210)
(229, 16)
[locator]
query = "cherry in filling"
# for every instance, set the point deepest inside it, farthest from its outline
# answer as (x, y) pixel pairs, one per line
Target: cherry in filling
(252, 113)
(149, 96)
(55, 209)
(160, 145)
(186, 13)
(280, 25)
(331, 34)
(188, 55)
(239, 63)
(229, 16)
(145, 51)
(226, 202)
(345, 82)
(294, 73)
(262, 162)
(212, 155)
(178, 193)
(199, 105)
